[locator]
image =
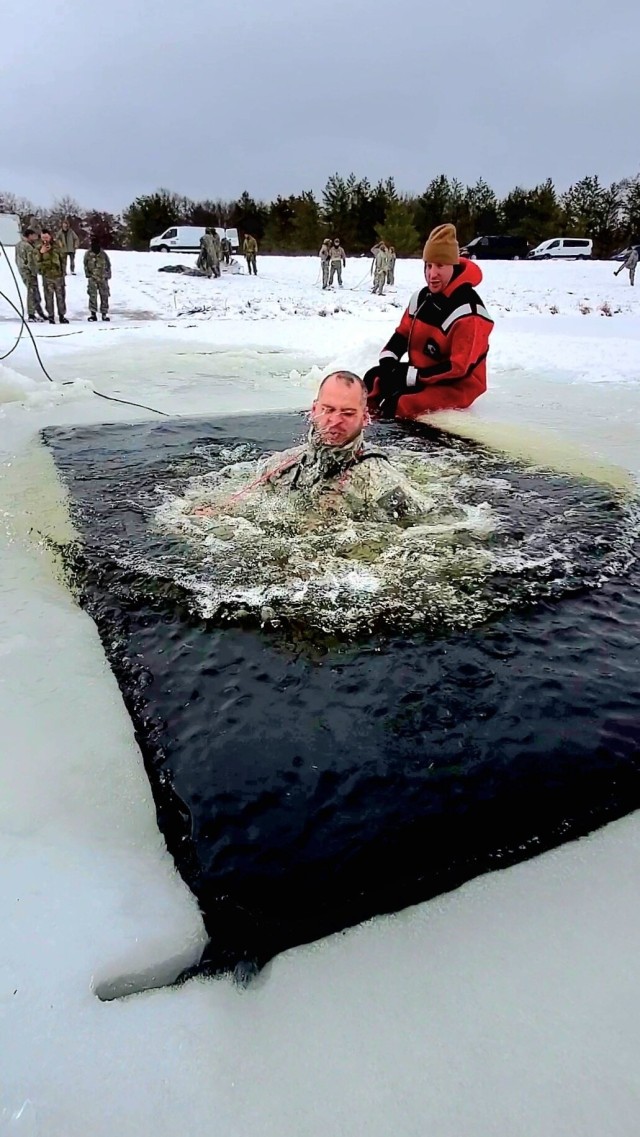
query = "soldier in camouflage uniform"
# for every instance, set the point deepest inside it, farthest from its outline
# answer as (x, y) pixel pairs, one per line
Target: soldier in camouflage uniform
(211, 259)
(391, 270)
(97, 269)
(337, 260)
(380, 267)
(217, 271)
(630, 263)
(51, 268)
(68, 241)
(325, 258)
(225, 248)
(202, 262)
(334, 471)
(27, 265)
(250, 251)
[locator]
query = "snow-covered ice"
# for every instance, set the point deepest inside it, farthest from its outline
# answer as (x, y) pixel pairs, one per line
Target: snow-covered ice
(509, 1007)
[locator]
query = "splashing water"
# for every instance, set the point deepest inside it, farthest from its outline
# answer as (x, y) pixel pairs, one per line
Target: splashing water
(472, 544)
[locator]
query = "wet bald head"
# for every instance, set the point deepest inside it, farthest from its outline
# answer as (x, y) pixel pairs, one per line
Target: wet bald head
(348, 379)
(339, 412)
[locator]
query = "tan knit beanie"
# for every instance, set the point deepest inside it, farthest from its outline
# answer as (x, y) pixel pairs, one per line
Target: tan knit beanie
(442, 246)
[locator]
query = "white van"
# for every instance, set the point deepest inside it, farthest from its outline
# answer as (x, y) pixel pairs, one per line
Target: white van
(233, 236)
(578, 248)
(186, 239)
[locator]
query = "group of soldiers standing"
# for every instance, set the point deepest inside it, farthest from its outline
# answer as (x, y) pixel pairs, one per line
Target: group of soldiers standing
(40, 255)
(214, 251)
(333, 260)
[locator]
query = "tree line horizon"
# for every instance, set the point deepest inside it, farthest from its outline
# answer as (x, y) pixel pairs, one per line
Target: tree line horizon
(360, 213)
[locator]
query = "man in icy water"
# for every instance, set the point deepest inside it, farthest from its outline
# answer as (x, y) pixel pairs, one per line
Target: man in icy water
(334, 470)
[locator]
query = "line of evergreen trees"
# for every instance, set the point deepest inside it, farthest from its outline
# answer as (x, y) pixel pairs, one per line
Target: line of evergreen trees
(359, 213)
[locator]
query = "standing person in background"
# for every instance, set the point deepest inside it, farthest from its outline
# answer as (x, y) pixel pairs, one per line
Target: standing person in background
(27, 266)
(51, 266)
(218, 252)
(225, 248)
(250, 250)
(213, 249)
(97, 269)
(203, 256)
(325, 257)
(391, 271)
(630, 263)
(380, 267)
(207, 259)
(68, 241)
(338, 261)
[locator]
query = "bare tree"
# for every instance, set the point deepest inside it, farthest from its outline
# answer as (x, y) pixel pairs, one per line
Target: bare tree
(12, 203)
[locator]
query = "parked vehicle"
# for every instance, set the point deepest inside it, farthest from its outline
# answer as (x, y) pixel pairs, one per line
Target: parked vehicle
(233, 236)
(576, 248)
(186, 239)
(624, 253)
(503, 248)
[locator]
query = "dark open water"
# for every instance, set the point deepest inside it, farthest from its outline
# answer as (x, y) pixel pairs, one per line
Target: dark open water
(303, 786)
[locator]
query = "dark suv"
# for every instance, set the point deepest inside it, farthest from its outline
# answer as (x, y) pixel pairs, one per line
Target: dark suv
(496, 249)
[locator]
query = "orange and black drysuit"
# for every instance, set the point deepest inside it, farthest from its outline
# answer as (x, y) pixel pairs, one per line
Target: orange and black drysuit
(446, 335)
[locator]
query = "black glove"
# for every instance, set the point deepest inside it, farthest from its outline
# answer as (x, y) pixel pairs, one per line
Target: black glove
(387, 363)
(370, 377)
(393, 380)
(387, 406)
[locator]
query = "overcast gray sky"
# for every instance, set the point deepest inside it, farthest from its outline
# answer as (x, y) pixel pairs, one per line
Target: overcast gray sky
(207, 98)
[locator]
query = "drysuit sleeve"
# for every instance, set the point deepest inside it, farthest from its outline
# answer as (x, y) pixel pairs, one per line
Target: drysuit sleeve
(393, 351)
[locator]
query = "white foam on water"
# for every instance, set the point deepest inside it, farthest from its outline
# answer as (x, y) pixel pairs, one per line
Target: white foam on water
(288, 550)
(443, 564)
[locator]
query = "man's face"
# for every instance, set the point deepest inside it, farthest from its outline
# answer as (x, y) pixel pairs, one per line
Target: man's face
(437, 276)
(65, 225)
(339, 412)
(46, 238)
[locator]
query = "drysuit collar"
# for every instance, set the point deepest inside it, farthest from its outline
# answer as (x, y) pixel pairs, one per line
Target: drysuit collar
(466, 272)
